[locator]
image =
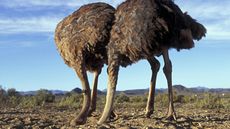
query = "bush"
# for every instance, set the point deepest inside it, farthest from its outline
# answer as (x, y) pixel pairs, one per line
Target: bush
(138, 99)
(44, 96)
(209, 101)
(71, 100)
(162, 99)
(190, 99)
(121, 98)
(179, 99)
(28, 101)
(12, 92)
(3, 96)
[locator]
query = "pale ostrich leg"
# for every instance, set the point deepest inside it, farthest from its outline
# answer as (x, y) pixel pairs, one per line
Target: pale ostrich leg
(113, 69)
(81, 72)
(94, 91)
(155, 65)
(93, 103)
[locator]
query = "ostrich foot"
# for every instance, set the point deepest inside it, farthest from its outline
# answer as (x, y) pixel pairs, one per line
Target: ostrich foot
(91, 111)
(113, 116)
(171, 116)
(149, 113)
(78, 121)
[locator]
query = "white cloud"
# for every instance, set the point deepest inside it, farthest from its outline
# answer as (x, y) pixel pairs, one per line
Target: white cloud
(27, 25)
(219, 31)
(30, 3)
(213, 14)
(43, 24)
(16, 43)
(71, 3)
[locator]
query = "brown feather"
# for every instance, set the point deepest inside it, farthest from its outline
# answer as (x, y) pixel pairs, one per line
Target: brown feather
(143, 27)
(85, 33)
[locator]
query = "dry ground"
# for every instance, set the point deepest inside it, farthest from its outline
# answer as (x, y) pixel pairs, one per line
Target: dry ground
(129, 117)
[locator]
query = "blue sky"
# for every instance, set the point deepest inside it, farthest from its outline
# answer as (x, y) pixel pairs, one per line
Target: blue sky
(30, 61)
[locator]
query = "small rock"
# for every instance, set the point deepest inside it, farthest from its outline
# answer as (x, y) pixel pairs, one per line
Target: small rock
(28, 120)
(199, 124)
(148, 128)
(18, 126)
(126, 127)
(104, 126)
(63, 127)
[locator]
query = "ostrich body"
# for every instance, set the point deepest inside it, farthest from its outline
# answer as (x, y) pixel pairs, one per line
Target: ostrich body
(143, 29)
(81, 39)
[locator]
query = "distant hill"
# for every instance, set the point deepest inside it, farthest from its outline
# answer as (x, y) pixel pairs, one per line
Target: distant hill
(179, 89)
(58, 92)
(135, 91)
(76, 90)
(31, 93)
(139, 91)
(27, 93)
(79, 91)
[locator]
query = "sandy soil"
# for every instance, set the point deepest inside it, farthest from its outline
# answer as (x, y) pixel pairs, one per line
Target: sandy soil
(52, 117)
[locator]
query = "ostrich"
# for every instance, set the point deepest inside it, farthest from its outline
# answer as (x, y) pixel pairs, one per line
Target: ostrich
(81, 39)
(198, 31)
(143, 29)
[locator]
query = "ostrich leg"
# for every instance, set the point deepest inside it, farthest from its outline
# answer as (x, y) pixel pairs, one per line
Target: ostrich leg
(168, 74)
(155, 65)
(113, 69)
(81, 72)
(94, 91)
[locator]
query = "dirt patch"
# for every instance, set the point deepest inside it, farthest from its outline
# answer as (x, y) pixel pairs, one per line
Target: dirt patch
(52, 117)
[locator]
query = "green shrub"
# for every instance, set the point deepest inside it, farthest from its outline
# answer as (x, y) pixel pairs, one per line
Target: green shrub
(14, 101)
(162, 99)
(28, 101)
(190, 99)
(71, 100)
(12, 92)
(209, 101)
(179, 99)
(3, 96)
(121, 98)
(44, 96)
(138, 99)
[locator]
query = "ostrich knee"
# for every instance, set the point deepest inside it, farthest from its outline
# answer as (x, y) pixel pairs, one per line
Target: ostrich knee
(168, 68)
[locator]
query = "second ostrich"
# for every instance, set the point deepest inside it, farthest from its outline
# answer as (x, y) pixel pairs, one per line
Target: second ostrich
(143, 29)
(198, 31)
(81, 39)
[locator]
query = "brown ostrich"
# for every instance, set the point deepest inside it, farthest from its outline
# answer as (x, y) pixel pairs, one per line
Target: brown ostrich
(143, 29)
(198, 31)
(81, 39)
